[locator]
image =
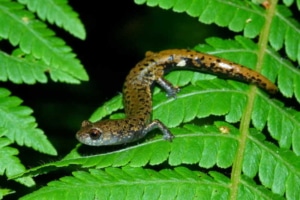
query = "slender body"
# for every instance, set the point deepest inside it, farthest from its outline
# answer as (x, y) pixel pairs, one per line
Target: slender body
(137, 96)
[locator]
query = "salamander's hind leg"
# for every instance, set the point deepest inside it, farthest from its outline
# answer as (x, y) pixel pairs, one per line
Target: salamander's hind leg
(168, 87)
(157, 124)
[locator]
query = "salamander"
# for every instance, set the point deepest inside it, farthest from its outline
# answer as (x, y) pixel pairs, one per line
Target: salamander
(137, 96)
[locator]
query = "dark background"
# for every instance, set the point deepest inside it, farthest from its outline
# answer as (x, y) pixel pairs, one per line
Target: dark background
(117, 38)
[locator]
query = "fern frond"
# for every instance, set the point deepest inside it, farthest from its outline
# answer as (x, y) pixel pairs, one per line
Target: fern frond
(213, 11)
(172, 112)
(58, 12)
(156, 151)
(287, 2)
(10, 164)
(138, 183)
(19, 126)
(285, 30)
(4, 192)
(243, 16)
(277, 169)
(283, 123)
(19, 70)
(21, 28)
(256, 191)
(22, 68)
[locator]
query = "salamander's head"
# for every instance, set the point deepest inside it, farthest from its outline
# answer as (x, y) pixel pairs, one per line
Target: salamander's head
(97, 134)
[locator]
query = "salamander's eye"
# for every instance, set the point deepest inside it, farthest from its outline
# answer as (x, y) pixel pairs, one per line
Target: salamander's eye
(94, 134)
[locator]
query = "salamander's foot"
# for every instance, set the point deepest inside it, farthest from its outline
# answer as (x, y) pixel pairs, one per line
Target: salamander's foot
(167, 135)
(168, 87)
(173, 92)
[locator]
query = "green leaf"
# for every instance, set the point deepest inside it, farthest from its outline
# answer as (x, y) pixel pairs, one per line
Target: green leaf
(22, 68)
(156, 151)
(277, 169)
(4, 192)
(248, 189)
(133, 183)
(288, 2)
(19, 126)
(172, 112)
(58, 12)
(19, 70)
(243, 16)
(283, 29)
(21, 28)
(10, 164)
(138, 183)
(210, 147)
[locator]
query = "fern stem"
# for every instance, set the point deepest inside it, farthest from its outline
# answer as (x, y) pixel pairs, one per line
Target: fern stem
(246, 118)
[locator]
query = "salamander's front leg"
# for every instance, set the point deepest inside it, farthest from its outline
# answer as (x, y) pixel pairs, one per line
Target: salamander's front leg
(168, 87)
(157, 124)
